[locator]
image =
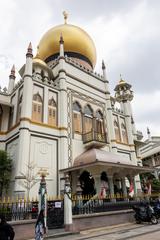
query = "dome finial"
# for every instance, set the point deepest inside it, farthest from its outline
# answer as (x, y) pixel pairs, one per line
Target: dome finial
(103, 65)
(38, 56)
(121, 79)
(65, 14)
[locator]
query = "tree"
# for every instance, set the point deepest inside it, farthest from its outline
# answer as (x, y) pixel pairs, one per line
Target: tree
(28, 179)
(5, 171)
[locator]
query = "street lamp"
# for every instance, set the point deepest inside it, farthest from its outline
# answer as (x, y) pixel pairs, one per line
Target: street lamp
(42, 193)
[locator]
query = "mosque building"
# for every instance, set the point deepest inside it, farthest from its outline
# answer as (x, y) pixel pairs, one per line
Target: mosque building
(60, 118)
(150, 153)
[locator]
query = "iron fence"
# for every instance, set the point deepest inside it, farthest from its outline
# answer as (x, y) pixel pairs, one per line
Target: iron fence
(88, 205)
(22, 209)
(97, 206)
(19, 210)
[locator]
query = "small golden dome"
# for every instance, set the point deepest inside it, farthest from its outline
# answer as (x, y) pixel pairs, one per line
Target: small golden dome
(76, 42)
(38, 61)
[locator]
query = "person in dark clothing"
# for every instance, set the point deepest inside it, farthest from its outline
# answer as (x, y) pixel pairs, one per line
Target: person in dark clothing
(6, 230)
(40, 228)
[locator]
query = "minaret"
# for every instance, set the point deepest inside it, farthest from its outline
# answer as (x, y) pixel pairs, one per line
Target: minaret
(149, 134)
(64, 161)
(24, 133)
(109, 116)
(12, 78)
(27, 88)
(124, 96)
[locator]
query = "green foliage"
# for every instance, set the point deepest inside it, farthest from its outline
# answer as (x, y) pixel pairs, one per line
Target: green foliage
(156, 185)
(5, 171)
(154, 182)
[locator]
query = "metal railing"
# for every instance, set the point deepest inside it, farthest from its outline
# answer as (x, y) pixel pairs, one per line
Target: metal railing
(19, 210)
(94, 136)
(22, 209)
(87, 205)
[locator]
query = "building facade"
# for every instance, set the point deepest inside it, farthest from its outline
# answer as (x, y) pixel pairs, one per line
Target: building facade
(150, 153)
(60, 115)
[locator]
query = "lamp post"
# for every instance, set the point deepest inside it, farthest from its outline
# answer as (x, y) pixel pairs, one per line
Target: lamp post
(67, 204)
(42, 194)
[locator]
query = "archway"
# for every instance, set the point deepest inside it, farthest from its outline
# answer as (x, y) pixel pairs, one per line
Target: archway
(87, 183)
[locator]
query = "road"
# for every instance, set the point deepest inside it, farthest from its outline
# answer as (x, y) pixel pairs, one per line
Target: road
(119, 232)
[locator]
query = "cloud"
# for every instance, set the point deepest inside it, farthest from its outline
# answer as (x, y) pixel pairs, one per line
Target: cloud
(146, 109)
(130, 44)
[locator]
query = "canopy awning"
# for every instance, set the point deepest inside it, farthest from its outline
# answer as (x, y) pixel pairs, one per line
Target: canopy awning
(104, 161)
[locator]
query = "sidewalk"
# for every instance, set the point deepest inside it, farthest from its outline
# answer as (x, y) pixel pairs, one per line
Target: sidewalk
(60, 232)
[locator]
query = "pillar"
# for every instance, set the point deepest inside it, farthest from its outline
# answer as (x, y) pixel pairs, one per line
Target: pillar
(124, 189)
(97, 184)
(67, 205)
(154, 165)
(45, 111)
(111, 188)
(42, 198)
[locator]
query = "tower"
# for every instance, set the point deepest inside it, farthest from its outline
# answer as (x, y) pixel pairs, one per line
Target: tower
(124, 95)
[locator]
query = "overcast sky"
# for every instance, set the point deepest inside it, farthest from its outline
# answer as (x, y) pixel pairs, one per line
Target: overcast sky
(126, 34)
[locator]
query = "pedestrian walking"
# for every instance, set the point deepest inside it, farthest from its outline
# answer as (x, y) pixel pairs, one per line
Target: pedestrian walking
(6, 230)
(40, 228)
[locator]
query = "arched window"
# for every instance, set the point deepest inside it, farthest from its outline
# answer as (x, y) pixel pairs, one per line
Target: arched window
(88, 119)
(19, 108)
(37, 108)
(77, 118)
(1, 114)
(124, 133)
(99, 124)
(117, 131)
(52, 112)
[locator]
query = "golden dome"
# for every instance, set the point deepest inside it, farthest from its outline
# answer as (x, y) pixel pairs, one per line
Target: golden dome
(76, 42)
(38, 61)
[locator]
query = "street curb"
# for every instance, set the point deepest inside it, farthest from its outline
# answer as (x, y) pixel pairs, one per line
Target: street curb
(58, 235)
(63, 234)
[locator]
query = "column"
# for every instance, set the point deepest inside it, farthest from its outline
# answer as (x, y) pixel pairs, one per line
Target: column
(42, 198)
(154, 165)
(67, 205)
(128, 121)
(45, 106)
(111, 188)
(97, 184)
(22, 159)
(15, 108)
(78, 201)
(132, 187)
(124, 189)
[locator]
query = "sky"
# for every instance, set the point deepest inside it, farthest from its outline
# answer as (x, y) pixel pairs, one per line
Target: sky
(126, 34)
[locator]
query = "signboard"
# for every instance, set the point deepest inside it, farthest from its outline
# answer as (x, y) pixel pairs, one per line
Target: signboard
(58, 205)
